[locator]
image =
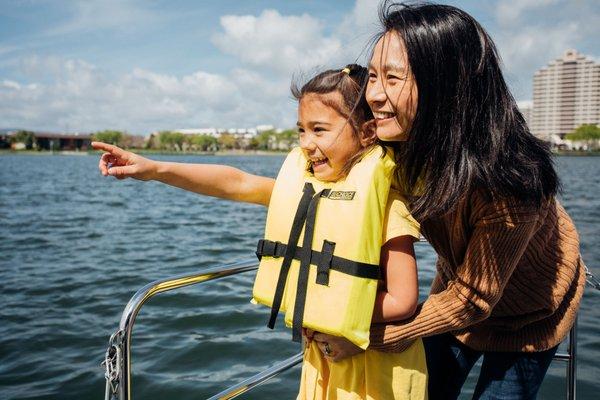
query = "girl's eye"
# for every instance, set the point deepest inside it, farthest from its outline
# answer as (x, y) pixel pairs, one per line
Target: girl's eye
(300, 131)
(319, 129)
(372, 76)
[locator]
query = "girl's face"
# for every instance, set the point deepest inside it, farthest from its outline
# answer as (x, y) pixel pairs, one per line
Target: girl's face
(326, 137)
(391, 91)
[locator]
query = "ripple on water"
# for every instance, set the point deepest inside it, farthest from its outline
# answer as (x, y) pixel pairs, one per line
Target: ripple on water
(74, 247)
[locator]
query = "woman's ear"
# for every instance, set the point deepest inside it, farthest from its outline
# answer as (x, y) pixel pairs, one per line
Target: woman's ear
(368, 134)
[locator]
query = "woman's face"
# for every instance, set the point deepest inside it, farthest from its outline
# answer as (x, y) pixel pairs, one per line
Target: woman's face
(326, 137)
(391, 91)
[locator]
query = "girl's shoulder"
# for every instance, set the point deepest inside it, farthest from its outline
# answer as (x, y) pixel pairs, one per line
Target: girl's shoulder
(398, 219)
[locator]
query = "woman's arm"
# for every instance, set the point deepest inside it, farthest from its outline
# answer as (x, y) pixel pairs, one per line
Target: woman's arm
(501, 234)
(207, 179)
(399, 298)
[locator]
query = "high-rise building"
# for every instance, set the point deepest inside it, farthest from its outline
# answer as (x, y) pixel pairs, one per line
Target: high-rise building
(566, 94)
(526, 108)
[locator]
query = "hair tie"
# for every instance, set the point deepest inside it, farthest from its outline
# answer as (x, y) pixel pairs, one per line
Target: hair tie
(346, 70)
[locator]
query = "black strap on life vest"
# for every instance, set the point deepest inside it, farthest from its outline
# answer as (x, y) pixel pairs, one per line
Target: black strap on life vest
(288, 255)
(355, 268)
(324, 263)
(309, 230)
(324, 260)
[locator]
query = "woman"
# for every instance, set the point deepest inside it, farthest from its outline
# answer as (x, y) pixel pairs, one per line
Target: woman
(509, 275)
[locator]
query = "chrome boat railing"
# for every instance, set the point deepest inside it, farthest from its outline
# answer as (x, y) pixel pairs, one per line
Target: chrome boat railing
(118, 355)
(117, 361)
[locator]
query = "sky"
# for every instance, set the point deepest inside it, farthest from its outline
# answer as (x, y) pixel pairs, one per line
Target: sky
(148, 65)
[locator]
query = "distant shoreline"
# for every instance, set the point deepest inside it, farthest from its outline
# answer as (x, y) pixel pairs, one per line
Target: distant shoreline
(147, 152)
(559, 153)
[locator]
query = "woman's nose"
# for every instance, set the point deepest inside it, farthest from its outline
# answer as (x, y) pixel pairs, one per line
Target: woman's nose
(375, 92)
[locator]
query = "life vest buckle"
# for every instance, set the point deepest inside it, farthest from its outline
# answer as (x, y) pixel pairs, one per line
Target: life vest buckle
(324, 264)
(269, 248)
(276, 249)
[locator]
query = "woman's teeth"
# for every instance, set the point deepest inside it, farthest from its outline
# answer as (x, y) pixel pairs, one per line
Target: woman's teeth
(383, 115)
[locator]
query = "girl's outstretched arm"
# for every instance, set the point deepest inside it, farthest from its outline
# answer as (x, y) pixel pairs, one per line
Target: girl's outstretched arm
(208, 179)
(398, 299)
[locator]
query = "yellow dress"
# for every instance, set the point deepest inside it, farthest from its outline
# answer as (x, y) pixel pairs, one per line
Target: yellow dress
(370, 375)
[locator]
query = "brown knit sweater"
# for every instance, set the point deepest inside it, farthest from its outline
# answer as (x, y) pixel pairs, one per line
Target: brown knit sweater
(509, 278)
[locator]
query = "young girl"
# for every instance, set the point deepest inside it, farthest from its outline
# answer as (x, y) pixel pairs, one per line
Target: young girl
(331, 115)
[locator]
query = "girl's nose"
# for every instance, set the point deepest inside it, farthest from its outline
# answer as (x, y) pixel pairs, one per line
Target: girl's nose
(306, 143)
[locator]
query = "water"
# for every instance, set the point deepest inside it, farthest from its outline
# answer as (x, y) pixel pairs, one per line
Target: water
(75, 246)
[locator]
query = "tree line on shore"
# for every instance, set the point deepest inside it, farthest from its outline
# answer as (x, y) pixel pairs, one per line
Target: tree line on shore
(176, 141)
(587, 136)
(172, 141)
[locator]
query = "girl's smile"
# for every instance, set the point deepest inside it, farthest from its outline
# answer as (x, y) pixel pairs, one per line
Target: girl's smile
(326, 136)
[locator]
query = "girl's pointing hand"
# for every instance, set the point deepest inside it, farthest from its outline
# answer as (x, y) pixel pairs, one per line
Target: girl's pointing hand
(123, 164)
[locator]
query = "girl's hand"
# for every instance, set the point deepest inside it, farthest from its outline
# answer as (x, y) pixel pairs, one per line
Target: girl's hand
(124, 164)
(334, 348)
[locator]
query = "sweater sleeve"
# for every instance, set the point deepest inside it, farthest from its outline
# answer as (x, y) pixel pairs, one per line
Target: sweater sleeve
(500, 235)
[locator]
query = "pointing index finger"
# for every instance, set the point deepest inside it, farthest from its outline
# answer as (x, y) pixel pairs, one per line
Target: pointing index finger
(110, 148)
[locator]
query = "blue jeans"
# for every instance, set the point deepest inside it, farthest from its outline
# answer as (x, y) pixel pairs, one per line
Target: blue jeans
(504, 375)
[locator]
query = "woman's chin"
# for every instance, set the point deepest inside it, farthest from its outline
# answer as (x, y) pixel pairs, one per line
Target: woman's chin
(391, 135)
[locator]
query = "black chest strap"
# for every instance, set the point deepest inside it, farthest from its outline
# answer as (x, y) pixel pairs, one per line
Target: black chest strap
(324, 260)
(299, 219)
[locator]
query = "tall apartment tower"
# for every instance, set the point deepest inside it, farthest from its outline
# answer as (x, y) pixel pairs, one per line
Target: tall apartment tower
(566, 94)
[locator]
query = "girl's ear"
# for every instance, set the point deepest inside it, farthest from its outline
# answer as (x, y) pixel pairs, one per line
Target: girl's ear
(368, 133)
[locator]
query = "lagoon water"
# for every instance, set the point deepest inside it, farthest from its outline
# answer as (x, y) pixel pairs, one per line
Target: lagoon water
(74, 247)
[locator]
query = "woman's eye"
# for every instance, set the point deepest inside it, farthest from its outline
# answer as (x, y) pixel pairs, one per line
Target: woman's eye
(396, 77)
(372, 76)
(319, 130)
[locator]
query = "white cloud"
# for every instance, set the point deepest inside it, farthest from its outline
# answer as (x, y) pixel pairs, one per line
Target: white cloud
(357, 29)
(78, 95)
(11, 85)
(93, 15)
(283, 44)
(4, 49)
(531, 33)
(510, 12)
(51, 92)
(529, 47)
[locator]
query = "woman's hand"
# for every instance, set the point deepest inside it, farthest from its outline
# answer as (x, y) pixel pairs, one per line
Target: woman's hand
(334, 348)
(124, 164)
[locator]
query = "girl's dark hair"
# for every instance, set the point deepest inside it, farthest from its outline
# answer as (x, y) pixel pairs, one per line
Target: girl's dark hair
(467, 132)
(350, 82)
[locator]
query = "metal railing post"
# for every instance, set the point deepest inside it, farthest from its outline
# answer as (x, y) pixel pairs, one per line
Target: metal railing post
(572, 364)
(122, 342)
(258, 379)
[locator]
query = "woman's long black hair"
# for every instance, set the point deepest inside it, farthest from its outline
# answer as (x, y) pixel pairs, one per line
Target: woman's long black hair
(468, 132)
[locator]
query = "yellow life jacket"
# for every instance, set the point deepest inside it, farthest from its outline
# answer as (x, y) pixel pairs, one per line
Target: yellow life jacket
(320, 256)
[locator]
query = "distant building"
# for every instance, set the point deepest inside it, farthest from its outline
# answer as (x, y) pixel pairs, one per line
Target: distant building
(526, 108)
(202, 131)
(51, 140)
(247, 133)
(63, 141)
(566, 94)
(264, 128)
